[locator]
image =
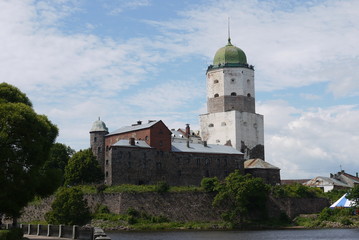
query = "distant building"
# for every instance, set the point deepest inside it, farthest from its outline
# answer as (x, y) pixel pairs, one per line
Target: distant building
(340, 180)
(259, 168)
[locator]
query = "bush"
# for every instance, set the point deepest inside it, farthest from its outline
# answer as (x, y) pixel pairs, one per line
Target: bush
(101, 209)
(209, 184)
(12, 234)
(69, 208)
(162, 187)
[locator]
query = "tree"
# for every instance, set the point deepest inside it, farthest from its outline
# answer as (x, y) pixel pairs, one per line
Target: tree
(69, 208)
(59, 156)
(209, 184)
(83, 168)
(25, 141)
(241, 195)
(353, 194)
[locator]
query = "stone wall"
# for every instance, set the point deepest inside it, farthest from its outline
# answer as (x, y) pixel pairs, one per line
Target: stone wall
(149, 166)
(190, 206)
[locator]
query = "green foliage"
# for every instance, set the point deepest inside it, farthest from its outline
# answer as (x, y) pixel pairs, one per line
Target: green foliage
(353, 194)
(59, 156)
(241, 195)
(69, 208)
(12, 234)
(11, 94)
(327, 218)
(209, 184)
(25, 142)
(82, 168)
(101, 209)
(162, 187)
(334, 194)
(295, 190)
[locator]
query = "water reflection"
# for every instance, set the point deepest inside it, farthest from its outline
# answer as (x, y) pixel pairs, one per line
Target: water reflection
(342, 234)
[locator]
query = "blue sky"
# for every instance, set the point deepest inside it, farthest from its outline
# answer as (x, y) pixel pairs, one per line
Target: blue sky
(146, 59)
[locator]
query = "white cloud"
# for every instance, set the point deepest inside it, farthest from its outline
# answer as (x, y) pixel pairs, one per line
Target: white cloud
(314, 143)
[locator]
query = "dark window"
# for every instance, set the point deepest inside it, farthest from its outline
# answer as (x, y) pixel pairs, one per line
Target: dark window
(106, 162)
(216, 81)
(95, 139)
(106, 174)
(233, 94)
(216, 95)
(211, 125)
(198, 162)
(248, 95)
(99, 149)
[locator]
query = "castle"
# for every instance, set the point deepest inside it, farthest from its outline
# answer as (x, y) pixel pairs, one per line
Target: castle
(231, 133)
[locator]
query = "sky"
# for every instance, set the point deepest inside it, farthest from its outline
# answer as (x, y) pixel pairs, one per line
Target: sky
(125, 61)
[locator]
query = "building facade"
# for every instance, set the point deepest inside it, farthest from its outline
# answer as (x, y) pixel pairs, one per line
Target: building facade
(231, 118)
(149, 153)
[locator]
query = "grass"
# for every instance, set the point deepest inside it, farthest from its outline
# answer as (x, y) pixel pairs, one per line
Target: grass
(129, 188)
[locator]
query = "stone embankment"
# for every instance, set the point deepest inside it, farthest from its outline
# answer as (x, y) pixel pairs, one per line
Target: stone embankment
(189, 206)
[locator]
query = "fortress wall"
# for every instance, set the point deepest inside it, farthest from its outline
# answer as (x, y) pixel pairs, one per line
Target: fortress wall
(189, 206)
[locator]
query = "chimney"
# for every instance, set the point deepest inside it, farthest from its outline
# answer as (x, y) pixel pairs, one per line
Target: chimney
(188, 130)
(205, 143)
(356, 174)
(132, 141)
(139, 122)
(188, 142)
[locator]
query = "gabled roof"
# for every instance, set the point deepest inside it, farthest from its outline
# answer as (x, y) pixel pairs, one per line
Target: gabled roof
(258, 163)
(325, 181)
(200, 148)
(355, 179)
(134, 128)
(125, 143)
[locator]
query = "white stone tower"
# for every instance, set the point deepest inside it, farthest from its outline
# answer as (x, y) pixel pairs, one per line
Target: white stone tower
(231, 118)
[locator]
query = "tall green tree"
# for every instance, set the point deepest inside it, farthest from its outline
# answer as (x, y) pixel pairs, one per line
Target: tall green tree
(25, 140)
(83, 168)
(59, 156)
(241, 195)
(353, 194)
(69, 208)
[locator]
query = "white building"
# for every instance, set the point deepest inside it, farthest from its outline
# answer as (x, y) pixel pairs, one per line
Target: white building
(231, 118)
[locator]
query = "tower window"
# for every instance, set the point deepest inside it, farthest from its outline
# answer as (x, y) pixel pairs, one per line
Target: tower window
(233, 80)
(248, 95)
(233, 94)
(95, 139)
(210, 125)
(216, 95)
(215, 81)
(248, 81)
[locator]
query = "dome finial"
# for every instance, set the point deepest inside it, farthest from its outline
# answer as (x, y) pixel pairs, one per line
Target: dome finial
(229, 32)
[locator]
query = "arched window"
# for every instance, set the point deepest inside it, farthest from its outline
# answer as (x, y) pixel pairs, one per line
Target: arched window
(215, 81)
(248, 95)
(233, 94)
(216, 95)
(210, 125)
(233, 80)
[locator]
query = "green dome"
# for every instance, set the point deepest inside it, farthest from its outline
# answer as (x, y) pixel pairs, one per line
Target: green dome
(229, 55)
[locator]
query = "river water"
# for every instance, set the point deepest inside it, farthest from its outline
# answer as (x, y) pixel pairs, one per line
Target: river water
(342, 234)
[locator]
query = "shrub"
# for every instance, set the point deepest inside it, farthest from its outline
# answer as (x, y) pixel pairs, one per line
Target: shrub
(162, 187)
(12, 234)
(209, 184)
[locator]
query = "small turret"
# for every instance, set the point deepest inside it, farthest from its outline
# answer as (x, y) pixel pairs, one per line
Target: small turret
(97, 140)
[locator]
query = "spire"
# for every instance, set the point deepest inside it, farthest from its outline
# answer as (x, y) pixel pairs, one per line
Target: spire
(229, 32)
